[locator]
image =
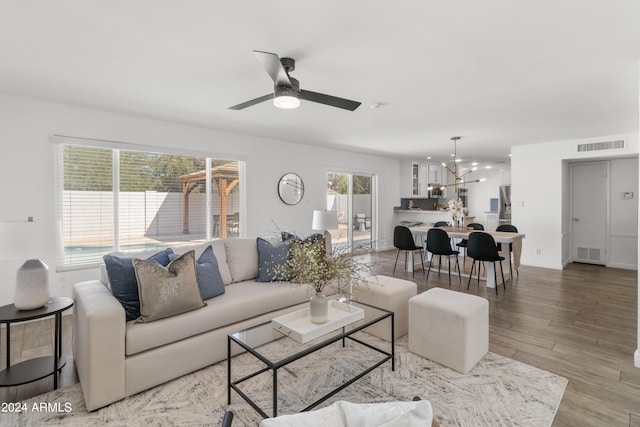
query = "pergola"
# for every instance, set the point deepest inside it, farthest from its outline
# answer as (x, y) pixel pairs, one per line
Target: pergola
(225, 177)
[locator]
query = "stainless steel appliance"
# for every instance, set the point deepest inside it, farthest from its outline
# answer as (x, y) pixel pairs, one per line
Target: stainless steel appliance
(436, 191)
(505, 204)
(463, 194)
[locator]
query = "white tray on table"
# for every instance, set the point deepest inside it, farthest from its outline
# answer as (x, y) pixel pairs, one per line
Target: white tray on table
(298, 325)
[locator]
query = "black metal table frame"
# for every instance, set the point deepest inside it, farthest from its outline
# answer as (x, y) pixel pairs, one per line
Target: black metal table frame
(275, 366)
(34, 366)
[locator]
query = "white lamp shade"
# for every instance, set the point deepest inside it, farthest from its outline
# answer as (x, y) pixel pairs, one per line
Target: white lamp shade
(325, 220)
(22, 240)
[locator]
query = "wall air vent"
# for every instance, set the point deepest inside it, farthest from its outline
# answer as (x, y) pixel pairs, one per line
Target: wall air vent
(589, 254)
(596, 146)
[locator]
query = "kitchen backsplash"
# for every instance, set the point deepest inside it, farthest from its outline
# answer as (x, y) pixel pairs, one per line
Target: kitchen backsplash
(419, 203)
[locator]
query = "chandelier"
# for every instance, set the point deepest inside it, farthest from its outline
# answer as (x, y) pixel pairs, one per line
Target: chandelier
(457, 179)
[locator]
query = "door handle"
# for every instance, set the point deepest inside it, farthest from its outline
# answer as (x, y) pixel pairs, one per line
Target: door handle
(576, 219)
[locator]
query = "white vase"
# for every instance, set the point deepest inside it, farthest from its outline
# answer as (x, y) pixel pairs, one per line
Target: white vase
(319, 308)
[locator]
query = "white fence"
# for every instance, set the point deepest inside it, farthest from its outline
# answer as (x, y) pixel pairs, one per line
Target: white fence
(88, 215)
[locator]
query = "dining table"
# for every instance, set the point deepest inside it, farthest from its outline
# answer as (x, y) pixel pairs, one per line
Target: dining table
(459, 233)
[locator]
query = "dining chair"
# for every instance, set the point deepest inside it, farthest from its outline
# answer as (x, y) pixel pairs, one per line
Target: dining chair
(439, 243)
(482, 247)
(441, 224)
(508, 228)
(463, 243)
(403, 241)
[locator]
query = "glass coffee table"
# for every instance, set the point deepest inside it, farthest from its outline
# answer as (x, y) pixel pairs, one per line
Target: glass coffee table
(275, 350)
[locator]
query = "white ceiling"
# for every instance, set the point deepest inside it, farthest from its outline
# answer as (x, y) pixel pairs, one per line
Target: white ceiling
(497, 72)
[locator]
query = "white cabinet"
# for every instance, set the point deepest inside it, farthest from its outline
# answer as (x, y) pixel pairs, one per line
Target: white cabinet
(419, 184)
(423, 174)
(435, 174)
(415, 179)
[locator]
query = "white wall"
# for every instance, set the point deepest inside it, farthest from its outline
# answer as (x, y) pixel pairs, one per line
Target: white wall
(27, 170)
(540, 191)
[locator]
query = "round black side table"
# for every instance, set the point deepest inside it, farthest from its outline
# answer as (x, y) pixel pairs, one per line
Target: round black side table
(40, 367)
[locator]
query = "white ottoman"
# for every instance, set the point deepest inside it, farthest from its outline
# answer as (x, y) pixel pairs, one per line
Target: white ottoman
(449, 327)
(391, 294)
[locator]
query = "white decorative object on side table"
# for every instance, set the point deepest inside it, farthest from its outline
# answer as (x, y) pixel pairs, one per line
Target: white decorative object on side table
(29, 240)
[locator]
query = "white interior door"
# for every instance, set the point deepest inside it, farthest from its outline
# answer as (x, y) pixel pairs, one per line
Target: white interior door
(589, 211)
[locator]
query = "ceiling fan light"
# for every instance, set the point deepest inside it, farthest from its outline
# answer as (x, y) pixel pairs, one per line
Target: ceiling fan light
(286, 98)
(286, 102)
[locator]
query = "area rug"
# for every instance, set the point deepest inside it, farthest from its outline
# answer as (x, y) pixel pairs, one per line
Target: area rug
(498, 391)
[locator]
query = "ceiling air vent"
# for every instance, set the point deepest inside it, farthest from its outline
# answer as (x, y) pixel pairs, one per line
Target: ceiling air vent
(596, 146)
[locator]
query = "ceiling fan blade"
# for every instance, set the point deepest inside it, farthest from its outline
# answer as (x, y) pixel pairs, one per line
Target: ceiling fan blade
(271, 63)
(252, 102)
(333, 101)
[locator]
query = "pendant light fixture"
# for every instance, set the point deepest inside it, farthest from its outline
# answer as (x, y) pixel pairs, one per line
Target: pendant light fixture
(457, 179)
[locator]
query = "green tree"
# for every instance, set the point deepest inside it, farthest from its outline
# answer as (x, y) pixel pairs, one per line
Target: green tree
(155, 172)
(361, 184)
(87, 168)
(91, 169)
(339, 183)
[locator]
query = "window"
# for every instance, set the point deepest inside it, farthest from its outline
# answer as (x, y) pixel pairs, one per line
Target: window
(122, 199)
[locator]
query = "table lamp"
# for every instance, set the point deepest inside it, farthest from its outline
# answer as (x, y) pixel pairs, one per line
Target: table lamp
(29, 240)
(325, 221)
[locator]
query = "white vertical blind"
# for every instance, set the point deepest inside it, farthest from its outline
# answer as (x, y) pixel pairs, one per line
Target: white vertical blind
(116, 199)
(86, 197)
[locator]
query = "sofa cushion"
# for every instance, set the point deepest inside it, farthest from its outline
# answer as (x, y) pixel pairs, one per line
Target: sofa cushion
(167, 291)
(208, 274)
(123, 282)
(271, 260)
(242, 259)
(240, 301)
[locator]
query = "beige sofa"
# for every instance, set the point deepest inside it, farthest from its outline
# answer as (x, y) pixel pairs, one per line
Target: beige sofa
(116, 359)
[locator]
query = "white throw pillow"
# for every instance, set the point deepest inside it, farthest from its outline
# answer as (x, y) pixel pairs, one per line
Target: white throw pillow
(346, 414)
(242, 259)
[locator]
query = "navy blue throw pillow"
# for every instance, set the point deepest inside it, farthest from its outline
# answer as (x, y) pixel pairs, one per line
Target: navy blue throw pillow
(270, 258)
(208, 274)
(124, 285)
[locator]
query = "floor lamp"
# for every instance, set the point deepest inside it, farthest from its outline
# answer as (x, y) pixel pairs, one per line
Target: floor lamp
(29, 240)
(325, 221)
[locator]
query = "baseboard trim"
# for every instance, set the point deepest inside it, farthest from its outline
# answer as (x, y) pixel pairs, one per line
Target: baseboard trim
(622, 266)
(636, 358)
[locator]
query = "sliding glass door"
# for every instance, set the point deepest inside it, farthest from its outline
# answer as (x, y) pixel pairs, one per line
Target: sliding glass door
(352, 197)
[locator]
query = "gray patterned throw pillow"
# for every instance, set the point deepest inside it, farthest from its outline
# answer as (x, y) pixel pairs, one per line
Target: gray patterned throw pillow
(167, 291)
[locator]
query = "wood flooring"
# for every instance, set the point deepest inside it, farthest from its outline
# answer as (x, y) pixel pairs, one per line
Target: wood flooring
(579, 323)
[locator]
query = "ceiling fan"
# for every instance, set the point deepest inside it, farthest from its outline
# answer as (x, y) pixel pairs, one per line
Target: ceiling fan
(286, 90)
